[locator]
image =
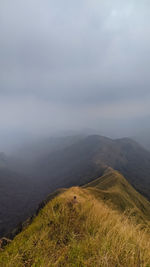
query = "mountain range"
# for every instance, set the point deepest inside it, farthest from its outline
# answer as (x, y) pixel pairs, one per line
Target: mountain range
(30, 174)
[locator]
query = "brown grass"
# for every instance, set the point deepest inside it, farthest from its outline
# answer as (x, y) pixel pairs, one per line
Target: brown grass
(82, 233)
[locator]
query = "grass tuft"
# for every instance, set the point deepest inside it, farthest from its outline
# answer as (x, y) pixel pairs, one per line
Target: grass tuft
(85, 232)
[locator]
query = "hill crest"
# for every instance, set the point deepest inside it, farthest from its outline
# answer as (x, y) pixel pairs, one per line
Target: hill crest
(78, 229)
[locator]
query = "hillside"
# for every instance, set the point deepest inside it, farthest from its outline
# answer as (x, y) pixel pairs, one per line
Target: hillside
(79, 227)
(28, 177)
(114, 189)
(19, 196)
(16, 200)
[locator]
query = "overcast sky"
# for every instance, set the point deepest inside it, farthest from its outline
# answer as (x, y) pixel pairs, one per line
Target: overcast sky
(74, 64)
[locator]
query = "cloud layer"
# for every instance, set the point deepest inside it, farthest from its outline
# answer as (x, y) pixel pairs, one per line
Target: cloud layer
(74, 64)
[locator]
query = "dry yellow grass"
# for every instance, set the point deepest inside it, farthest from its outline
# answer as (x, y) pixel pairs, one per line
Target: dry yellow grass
(79, 233)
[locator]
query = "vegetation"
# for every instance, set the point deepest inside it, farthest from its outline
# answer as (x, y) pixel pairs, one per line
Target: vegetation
(78, 228)
(114, 189)
(28, 177)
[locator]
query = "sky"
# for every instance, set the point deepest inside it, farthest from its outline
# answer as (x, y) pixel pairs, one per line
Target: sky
(73, 65)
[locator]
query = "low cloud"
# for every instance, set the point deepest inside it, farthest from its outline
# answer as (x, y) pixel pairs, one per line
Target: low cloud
(74, 65)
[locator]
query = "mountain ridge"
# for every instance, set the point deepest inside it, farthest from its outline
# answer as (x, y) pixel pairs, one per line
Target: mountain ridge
(76, 228)
(92, 155)
(113, 187)
(71, 162)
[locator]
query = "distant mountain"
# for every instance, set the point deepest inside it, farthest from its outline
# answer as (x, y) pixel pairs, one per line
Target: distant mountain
(24, 157)
(86, 226)
(143, 138)
(85, 160)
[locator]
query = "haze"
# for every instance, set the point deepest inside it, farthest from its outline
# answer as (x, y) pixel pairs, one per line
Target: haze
(73, 65)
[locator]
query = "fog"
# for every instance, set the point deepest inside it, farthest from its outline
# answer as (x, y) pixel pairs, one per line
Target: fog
(80, 66)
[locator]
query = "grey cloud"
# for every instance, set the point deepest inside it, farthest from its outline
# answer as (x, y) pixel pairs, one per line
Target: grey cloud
(74, 63)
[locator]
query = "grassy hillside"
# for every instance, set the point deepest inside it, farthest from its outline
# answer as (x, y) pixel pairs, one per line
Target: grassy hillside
(84, 231)
(114, 189)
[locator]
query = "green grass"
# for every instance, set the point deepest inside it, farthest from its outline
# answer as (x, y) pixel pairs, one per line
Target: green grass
(86, 232)
(114, 189)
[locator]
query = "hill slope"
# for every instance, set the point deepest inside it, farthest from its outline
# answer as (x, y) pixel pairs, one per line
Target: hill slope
(20, 193)
(113, 187)
(65, 162)
(83, 231)
(15, 198)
